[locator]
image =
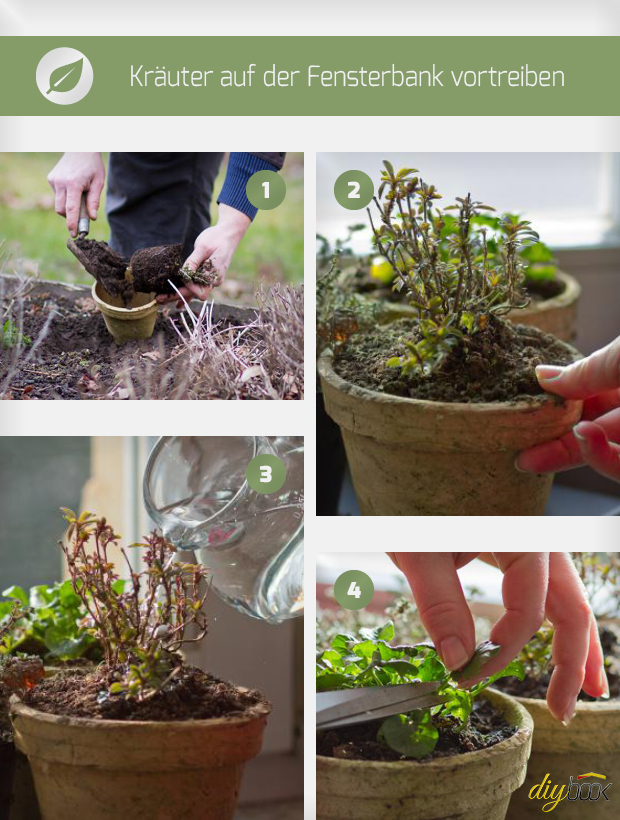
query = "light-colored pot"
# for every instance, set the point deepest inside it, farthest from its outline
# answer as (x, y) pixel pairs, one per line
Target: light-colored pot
(557, 315)
(590, 743)
(471, 786)
(415, 457)
(137, 321)
(110, 769)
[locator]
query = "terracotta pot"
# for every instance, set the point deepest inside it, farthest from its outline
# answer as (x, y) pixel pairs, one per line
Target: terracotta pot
(557, 315)
(591, 743)
(109, 769)
(127, 323)
(471, 786)
(414, 457)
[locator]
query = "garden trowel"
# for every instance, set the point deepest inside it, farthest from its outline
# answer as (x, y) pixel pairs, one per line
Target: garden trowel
(346, 707)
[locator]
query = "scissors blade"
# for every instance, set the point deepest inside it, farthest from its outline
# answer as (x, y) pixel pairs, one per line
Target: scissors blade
(350, 706)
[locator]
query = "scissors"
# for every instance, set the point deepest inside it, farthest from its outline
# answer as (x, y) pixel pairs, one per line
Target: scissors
(346, 707)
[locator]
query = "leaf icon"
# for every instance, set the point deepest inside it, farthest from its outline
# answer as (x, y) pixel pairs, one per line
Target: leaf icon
(66, 77)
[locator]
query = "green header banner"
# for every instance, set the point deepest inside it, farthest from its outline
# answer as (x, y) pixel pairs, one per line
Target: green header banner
(310, 76)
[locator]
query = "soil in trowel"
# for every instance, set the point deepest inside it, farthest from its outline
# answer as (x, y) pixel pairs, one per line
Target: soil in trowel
(107, 266)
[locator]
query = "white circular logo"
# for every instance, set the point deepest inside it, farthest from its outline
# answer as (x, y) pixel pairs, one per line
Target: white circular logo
(64, 76)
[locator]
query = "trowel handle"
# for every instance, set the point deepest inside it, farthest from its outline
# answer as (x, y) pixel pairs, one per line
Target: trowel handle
(84, 221)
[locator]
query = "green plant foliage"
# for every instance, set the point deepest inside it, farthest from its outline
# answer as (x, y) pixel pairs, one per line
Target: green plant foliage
(52, 624)
(11, 337)
(370, 660)
(536, 656)
(456, 271)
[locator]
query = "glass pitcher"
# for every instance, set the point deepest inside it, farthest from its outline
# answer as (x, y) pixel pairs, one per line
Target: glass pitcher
(196, 492)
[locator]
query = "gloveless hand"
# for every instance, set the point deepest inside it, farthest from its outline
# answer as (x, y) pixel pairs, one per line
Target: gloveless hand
(217, 244)
(75, 173)
(536, 585)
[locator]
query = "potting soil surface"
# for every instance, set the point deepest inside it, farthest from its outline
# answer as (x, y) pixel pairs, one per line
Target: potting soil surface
(486, 728)
(536, 687)
(78, 358)
(194, 695)
(494, 365)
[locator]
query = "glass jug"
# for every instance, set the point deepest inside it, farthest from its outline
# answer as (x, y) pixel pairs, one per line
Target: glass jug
(196, 492)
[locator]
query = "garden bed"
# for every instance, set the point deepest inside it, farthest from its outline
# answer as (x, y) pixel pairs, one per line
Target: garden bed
(69, 354)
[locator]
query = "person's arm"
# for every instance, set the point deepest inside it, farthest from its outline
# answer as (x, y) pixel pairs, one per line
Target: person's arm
(536, 585)
(236, 213)
(73, 174)
(596, 380)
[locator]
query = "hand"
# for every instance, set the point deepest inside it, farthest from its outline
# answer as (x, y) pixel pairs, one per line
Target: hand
(596, 379)
(218, 244)
(71, 176)
(536, 585)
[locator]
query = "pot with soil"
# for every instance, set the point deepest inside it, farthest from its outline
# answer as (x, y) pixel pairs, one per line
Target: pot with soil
(454, 783)
(589, 744)
(434, 410)
(130, 320)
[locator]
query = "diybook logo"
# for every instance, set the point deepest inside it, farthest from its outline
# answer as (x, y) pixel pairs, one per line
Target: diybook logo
(575, 790)
(64, 76)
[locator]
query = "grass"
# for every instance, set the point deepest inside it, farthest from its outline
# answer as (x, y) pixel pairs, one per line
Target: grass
(272, 250)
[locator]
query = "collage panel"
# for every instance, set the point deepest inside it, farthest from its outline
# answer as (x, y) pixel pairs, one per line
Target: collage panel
(467, 334)
(151, 638)
(153, 275)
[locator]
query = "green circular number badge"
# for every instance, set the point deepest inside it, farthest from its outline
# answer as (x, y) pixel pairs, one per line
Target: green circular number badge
(354, 190)
(266, 474)
(266, 190)
(354, 589)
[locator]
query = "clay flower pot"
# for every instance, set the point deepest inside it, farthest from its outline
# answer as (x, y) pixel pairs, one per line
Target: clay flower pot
(470, 786)
(110, 769)
(415, 457)
(590, 743)
(126, 323)
(557, 315)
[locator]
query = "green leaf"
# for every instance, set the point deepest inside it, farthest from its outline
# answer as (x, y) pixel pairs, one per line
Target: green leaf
(60, 646)
(66, 77)
(17, 593)
(484, 652)
(410, 735)
(331, 680)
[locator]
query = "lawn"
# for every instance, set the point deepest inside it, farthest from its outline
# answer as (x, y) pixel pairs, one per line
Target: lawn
(35, 236)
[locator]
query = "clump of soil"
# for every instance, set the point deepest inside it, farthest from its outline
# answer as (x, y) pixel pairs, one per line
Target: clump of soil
(537, 687)
(486, 728)
(494, 365)
(194, 695)
(16, 675)
(149, 270)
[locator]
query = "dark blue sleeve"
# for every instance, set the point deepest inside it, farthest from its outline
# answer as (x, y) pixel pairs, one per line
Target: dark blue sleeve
(241, 166)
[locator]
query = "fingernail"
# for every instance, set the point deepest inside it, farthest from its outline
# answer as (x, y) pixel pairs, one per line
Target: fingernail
(518, 468)
(579, 435)
(453, 653)
(604, 684)
(548, 372)
(570, 711)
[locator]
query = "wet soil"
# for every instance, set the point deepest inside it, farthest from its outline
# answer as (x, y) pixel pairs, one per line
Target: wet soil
(195, 695)
(486, 728)
(78, 358)
(531, 687)
(494, 365)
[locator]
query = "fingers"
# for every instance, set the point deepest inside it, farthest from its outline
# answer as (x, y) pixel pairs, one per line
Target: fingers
(60, 199)
(197, 257)
(595, 681)
(569, 612)
(596, 449)
(588, 377)
(93, 196)
(74, 197)
(524, 591)
(441, 603)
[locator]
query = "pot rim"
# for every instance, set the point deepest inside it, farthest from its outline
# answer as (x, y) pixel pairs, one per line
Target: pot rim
(522, 735)
(545, 403)
(258, 711)
(612, 705)
(113, 310)
(570, 294)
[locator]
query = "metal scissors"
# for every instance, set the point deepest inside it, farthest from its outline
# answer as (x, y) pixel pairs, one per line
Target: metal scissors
(346, 707)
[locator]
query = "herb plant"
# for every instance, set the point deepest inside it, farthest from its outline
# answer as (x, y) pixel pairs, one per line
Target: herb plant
(455, 275)
(11, 336)
(370, 660)
(50, 624)
(142, 627)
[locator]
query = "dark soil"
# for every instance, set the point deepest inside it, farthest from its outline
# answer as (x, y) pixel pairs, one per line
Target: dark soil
(541, 291)
(531, 687)
(151, 268)
(486, 728)
(194, 696)
(494, 365)
(78, 358)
